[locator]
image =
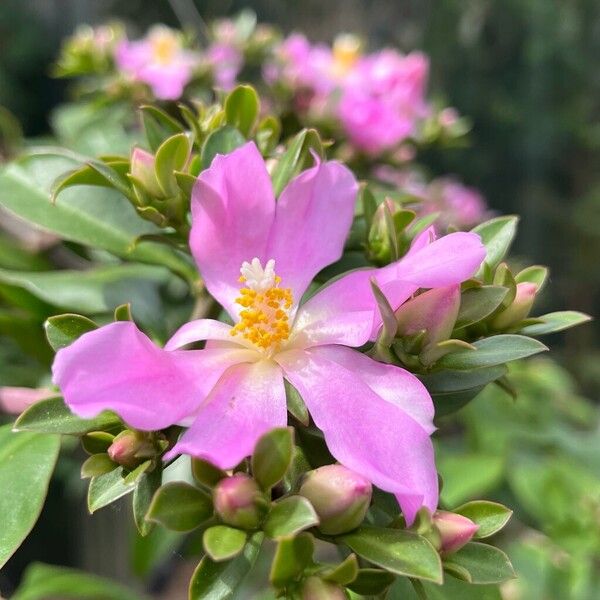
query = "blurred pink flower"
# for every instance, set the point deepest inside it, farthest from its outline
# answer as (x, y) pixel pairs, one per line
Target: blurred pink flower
(15, 400)
(226, 61)
(159, 60)
(458, 204)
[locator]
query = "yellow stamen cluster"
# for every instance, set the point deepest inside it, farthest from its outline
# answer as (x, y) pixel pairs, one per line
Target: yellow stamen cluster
(164, 46)
(346, 52)
(265, 318)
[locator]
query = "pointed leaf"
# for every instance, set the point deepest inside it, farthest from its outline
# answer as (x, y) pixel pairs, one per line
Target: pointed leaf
(63, 330)
(145, 489)
(171, 156)
(344, 573)
(221, 141)
(292, 556)
(206, 473)
(496, 235)
(371, 582)
(477, 303)
(490, 516)
(290, 516)
(98, 464)
(105, 489)
(556, 321)
(272, 456)
(484, 563)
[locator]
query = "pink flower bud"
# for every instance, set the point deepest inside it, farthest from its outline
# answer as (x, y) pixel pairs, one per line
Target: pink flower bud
(239, 501)
(455, 530)
(314, 588)
(143, 169)
(520, 307)
(340, 497)
(130, 448)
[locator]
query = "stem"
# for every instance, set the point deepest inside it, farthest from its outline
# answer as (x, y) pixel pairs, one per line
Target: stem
(419, 589)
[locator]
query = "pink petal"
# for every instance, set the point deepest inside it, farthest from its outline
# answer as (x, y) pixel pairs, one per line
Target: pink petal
(233, 208)
(200, 330)
(118, 368)
(364, 431)
(312, 220)
(248, 401)
(15, 400)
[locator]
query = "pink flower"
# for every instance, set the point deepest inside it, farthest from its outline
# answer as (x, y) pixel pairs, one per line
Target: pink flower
(383, 99)
(158, 60)
(15, 400)
(226, 61)
(376, 418)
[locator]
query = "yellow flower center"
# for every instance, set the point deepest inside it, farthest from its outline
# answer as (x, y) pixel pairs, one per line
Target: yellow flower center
(265, 318)
(164, 46)
(346, 52)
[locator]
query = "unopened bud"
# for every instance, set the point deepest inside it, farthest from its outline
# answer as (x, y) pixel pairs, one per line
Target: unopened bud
(520, 307)
(143, 170)
(340, 497)
(239, 501)
(455, 530)
(131, 448)
(314, 588)
(380, 236)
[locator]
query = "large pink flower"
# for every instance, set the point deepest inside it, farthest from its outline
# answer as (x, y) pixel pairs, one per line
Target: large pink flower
(158, 60)
(376, 418)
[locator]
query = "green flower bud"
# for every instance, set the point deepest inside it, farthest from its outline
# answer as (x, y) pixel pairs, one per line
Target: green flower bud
(340, 497)
(239, 501)
(131, 448)
(380, 236)
(314, 588)
(520, 307)
(455, 530)
(143, 170)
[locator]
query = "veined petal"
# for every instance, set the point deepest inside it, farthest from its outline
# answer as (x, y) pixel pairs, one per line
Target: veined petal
(203, 329)
(118, 368)
(365, 432)
(248, 401)
(312, 220)
(233, 208)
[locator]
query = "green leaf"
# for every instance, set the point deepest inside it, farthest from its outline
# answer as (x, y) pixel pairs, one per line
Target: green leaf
(466, 475)
(220, 581)
(535, 274)
(556, 321)
(42, 582)
(54, 416)
(105, 489)
(295, 404)
(223, 543)
(26, 464)
(371, 582)
(86, 175)
(180, 507)
(292, 556)
(123, 312)
(242, 107)
(272, 456)
(490, 516)
(452, 589)
(290, 516)
(221, 141)
(98, 464)
(92, 216)
(171, 156)
(496, 235)
(63, 330)
(158, 126)
(485, 564)
(206, 473)
(145, 489)
(492, 351)
(477, 303)
(267, 134)
(344, 573)
(398, 551)
(97, 442)
(296, 158)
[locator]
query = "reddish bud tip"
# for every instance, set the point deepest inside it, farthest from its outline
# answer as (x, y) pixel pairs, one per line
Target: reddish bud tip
(455, 530)
(239, 501)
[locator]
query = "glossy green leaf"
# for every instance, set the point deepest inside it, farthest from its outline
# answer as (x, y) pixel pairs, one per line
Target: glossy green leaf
(492, 351)
(535, 274)
(272, 456)
(485, 564)
(92, 216)
(223, 543)
(158, 125)
(180, 507)
(88, 175)
(556, 321)
(296, 158)
(242, 107)
(371, 582)
(97, 442)
(146, 487)
(267, 134)
(477, 303)
(292, 556)
(206, 473)
(98, 464)
(496, 235)
(398, 551)
(452, 589)
(105, 489)
(490, 516)
(344, 573)
(221, 141)
(295, 404)
(171, 156)
(221, 581)
(26, 464)
(54, 416)
(42, 582)
(63, 330)
(290, 516)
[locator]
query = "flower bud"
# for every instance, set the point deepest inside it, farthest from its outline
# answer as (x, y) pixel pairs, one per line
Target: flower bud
(130, 448)
(239, 501)
(520, 307)
(340, 497)
(380, 236)
(314, 588)
(143, 170)
(455, 530)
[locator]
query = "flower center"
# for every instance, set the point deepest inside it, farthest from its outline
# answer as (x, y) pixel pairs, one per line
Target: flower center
(265, 318)
(164, 47)
(346, 52)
